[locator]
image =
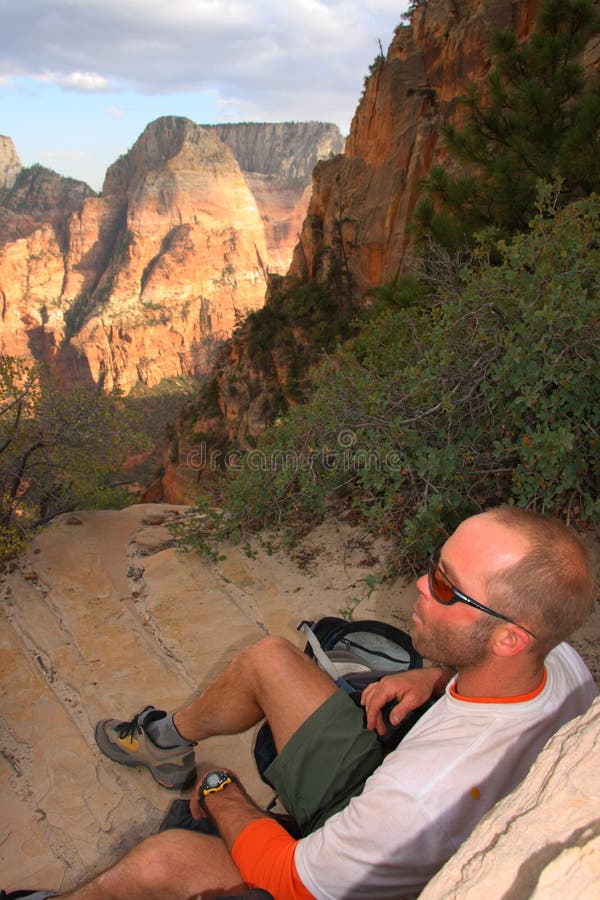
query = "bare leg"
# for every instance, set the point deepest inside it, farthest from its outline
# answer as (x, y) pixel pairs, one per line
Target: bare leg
(173, 865)
(269, 679)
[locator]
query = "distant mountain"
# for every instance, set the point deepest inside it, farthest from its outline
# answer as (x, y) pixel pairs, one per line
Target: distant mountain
(278, 161)
(143, 281)
(287, 150)
(36, 196)
(10, 164)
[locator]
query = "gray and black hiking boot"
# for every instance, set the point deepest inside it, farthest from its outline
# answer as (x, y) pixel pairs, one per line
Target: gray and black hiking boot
(128, 743)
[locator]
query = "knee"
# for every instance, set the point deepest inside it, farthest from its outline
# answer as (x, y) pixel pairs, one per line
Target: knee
(272, 650)
(173, 864)
(156, 861)
(265, 657)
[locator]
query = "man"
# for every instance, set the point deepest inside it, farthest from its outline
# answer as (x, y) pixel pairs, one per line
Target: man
(506, 588)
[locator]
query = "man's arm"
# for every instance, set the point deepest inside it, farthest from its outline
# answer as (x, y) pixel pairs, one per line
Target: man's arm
(261, 848)
(231, 809)
(409, 689)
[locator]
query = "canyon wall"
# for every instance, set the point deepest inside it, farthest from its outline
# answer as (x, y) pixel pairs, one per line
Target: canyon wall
(359, 209)
(277, 161)
(366, 197)
(144, 281)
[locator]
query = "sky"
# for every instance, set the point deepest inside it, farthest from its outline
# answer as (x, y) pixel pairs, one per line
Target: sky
(81, 79)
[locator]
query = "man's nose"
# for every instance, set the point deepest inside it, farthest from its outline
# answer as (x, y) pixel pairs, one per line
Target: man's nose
(423, 586)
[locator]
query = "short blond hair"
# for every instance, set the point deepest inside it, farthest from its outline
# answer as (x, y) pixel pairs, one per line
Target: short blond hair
(553, 587)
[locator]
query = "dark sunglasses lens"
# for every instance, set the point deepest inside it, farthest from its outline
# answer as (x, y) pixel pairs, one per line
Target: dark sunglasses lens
(441, 587)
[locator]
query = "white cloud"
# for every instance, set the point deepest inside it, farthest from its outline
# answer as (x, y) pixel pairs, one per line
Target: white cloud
(305, 56)
(86, 82)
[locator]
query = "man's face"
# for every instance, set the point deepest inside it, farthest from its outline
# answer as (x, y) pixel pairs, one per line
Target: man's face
(459, 635)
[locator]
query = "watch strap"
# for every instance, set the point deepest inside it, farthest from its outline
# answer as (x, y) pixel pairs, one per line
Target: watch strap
(213, 783)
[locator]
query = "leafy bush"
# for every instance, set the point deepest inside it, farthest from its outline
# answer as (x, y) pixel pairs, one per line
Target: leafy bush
(312, 307)
(442, 408)
(59, 449)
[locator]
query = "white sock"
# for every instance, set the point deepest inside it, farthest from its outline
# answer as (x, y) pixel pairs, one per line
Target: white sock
(164, 733)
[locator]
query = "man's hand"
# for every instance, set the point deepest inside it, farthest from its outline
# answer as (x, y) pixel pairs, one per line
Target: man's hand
(410, 689)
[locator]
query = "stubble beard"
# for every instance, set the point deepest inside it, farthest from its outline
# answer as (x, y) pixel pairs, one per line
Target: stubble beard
(461, 648)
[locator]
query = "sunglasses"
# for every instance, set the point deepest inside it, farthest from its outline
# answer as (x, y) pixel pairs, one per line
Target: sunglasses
(442, 590)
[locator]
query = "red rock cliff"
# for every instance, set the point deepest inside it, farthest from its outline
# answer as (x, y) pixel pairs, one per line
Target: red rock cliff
(395, 135)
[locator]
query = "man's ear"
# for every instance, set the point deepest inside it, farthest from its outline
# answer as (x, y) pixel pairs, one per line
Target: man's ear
(509, 640)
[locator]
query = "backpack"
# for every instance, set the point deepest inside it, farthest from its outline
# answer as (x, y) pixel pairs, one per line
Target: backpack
(357, 653)
(354, 654)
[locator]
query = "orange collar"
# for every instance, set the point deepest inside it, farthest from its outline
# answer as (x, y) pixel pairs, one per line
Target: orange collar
(521, 698)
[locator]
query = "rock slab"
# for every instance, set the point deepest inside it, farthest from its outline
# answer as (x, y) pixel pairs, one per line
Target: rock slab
(101, 617)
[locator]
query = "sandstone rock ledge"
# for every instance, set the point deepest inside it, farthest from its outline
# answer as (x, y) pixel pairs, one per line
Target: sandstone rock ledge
(99, 618)
(102, 616)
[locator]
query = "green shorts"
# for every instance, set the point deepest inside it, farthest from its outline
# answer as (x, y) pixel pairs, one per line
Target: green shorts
(325, 763)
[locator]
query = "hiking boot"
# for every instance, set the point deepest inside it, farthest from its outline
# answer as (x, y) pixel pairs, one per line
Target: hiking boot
(128, 743)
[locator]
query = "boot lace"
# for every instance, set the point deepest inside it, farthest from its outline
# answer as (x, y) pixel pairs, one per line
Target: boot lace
(128, 729)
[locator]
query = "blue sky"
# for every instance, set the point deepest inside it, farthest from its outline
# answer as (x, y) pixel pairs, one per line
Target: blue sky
(81, 79)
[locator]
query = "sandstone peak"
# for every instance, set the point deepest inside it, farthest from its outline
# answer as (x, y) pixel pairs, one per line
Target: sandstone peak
(162, 141)
(10, 164)
(141, 282)
(42, 193)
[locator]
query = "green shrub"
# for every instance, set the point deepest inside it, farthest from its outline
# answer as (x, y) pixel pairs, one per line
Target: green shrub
(446, 407)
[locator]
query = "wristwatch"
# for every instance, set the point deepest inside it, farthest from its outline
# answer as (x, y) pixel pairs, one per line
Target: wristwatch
(212, 783)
